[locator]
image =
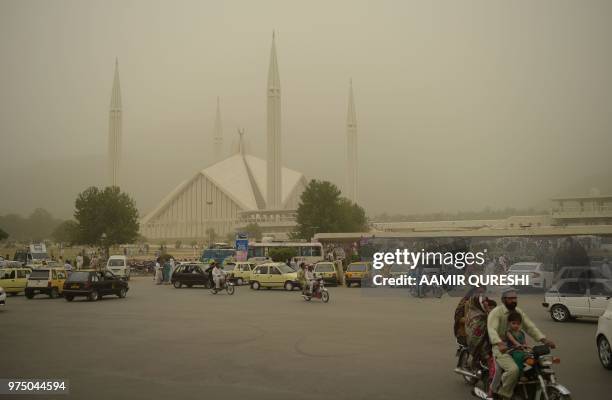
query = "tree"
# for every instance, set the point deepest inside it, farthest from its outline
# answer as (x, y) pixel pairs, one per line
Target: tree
(282, 254)
(105, 217)
(253, 230)
(3, 235)
(322, 209)
(66, 232)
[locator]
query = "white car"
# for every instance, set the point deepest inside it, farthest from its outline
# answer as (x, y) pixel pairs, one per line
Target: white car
(571, 298)
(540, 274)
(118, 265)
(604, 337)
(2, 297)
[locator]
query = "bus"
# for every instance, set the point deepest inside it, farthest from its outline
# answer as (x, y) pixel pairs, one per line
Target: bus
(219, 253)
(304, 251)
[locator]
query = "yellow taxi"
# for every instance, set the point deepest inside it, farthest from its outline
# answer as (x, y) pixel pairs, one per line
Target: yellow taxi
(47, 280)
(327, 271)
(274, 275)
(14, 279)
(356, 272)
(242, 272)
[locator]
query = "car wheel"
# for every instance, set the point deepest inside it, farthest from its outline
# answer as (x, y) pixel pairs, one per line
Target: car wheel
(559, 313)
(93, 296)
(178, 284)
(122, 293)
(255, 285)
(69, 297)
(605, 352)
(239, 282)
(29, 294)
(288, 286)
(54, 294)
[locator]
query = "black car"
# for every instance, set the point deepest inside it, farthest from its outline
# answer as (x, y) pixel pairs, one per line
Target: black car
(190, 275)
(94, 285)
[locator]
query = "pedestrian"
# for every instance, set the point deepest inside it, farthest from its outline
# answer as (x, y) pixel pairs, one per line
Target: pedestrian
(79, 261)
(166, 272)
(172, 268)
(68, 267)
(158, 273)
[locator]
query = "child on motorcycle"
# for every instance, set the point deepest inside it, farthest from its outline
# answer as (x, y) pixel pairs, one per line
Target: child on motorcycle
(516, 339)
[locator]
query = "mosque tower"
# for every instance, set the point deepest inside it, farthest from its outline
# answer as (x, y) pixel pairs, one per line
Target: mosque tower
(114, 130)
(218, 136)
(273, 200)
(351, 148)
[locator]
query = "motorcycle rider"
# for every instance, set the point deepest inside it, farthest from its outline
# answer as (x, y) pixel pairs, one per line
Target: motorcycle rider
(218, 276)
(310, 278)
(497, 326)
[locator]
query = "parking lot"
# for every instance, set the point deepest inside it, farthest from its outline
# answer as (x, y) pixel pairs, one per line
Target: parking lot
(162, 342)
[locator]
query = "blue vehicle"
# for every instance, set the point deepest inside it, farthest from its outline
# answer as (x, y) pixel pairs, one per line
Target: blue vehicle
(220, 255)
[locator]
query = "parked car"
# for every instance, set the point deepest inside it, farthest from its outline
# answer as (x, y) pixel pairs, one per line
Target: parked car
(191, 275)
(604, 337)
(49, 281)
(118, 266)
(241, 272)
(397, 270)
(2, 297)
(540, 275)
(275, 274)
(583, 272)
(571, 298)
(14, 280)
(355, 272)
(94, 285)
(327, 271)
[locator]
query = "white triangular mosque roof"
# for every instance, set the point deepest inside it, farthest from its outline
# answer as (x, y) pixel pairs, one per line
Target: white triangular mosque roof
(242, 177)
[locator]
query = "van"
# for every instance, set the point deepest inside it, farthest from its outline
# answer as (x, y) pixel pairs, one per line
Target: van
(14, 280)
(118, 265)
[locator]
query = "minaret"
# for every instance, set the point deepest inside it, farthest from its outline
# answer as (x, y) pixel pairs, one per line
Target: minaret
(218, 138)
(114, 130)
(351, 148)
(273, 200)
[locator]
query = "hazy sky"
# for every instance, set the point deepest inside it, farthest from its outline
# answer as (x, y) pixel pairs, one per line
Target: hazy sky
(460, 104)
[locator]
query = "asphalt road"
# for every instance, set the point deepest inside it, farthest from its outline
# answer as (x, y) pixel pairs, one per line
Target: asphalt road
(162, 343)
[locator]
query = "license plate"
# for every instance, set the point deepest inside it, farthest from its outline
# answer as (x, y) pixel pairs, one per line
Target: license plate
(74, 286)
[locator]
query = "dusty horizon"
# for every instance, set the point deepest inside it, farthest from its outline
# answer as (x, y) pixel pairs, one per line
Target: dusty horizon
(458, 108)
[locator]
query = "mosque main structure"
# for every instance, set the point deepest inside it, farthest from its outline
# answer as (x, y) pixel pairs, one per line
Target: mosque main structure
(241, 188)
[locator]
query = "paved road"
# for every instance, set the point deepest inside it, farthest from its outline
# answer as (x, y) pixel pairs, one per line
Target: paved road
(162, 342)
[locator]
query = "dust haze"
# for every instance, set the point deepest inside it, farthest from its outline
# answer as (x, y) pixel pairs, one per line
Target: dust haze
(460, 105)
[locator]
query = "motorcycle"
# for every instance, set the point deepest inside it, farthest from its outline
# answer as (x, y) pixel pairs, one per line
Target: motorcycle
(318, 292)
(537, 381)
(226, 285)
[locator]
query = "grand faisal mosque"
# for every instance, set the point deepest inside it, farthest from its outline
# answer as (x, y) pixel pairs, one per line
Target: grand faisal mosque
(239, 188)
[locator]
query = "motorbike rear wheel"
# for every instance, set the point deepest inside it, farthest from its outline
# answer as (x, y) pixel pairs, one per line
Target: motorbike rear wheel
(555, 394)
(465, 363)
(230, 289)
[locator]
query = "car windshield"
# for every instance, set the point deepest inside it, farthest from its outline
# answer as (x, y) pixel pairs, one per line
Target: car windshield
(325, 268)
(523, 267)
(228, 267)
(116, 263)
(78, 277)
(357, 267)
(40, 274)
(285, 269)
